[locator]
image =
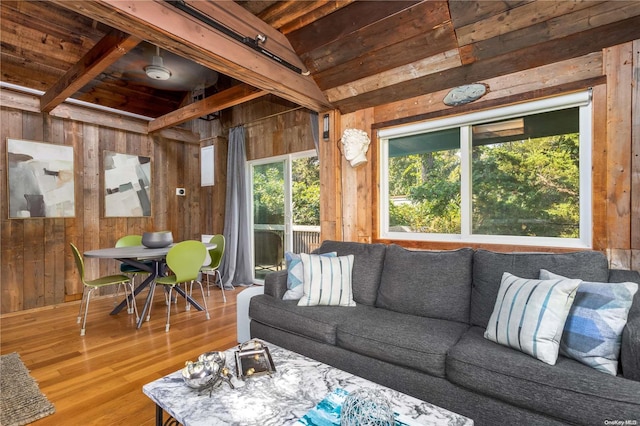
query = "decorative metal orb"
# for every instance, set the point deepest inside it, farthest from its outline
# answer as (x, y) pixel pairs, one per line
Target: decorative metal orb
(214, 356)
(366, 407)
(157, 239)
(199, 374)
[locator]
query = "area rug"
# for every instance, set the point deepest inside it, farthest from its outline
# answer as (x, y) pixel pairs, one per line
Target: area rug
(21, 401)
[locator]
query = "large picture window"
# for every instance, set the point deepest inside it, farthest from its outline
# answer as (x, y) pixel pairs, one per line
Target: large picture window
(514, 175)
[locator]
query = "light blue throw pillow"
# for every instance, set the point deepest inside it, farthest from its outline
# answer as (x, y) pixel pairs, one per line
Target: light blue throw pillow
(295, 275)
(529, 315)
(593, 331)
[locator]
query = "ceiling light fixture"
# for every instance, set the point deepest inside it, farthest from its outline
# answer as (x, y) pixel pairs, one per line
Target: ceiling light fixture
(157, 71)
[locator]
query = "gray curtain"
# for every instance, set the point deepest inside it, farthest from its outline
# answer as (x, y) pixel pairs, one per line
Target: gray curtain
(315, 131)
(236, 264)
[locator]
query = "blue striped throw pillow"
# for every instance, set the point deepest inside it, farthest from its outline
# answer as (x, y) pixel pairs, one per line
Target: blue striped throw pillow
(529, 315)
(327, 280)
(593, 331)
(295, 275)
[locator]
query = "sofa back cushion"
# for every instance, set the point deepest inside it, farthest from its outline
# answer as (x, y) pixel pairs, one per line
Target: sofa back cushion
(489, 266)
(368, 260)
(434, 284)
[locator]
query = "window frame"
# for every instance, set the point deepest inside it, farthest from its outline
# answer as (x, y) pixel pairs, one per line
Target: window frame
(286, 159)
(582, 100)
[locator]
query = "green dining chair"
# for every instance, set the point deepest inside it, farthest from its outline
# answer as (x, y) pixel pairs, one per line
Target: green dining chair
(91, 285)
(216, 259)
(130, 270)
(183, 259)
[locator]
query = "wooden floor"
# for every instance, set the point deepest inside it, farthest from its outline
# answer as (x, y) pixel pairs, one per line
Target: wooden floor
(97, 379)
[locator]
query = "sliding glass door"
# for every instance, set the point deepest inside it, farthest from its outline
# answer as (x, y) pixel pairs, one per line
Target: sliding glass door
(285, 194)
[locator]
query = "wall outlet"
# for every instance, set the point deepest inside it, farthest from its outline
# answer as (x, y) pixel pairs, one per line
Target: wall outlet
(181, 192)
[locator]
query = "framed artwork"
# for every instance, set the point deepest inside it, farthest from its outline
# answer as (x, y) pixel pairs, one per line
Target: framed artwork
(40, 180)
(127, 185)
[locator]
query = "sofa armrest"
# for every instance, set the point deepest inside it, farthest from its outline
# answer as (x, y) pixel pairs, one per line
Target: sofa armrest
(275, 284)
(630, 350)
(630, 347)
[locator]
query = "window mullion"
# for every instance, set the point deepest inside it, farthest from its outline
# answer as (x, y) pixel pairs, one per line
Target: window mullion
(465, 181)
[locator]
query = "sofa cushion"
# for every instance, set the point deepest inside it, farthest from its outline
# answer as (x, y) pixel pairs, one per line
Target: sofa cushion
(434, 284)
(327, 280)
(489, 266)
(367, 267)
(317, 323)
(406, 340)
(529, 315)
(593, 331)
(568, 390)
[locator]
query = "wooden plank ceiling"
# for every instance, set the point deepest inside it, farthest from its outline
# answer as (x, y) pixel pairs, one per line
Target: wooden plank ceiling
(346, 54)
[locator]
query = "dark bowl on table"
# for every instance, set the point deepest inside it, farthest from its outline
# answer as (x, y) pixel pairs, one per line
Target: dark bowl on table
(157, 239)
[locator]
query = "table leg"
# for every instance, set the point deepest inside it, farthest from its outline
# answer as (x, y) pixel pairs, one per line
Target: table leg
(142, 286)
(136, 291)
(160, 418)
(159, 415)
(179, 290)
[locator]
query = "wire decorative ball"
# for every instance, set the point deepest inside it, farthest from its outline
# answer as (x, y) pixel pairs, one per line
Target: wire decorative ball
(366, 407)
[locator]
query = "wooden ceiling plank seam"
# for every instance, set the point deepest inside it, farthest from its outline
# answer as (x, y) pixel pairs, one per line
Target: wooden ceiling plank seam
(429, 65)
(347, 20)
(406, 52)
(548, 52)
(517, 19)
(142, 105)
(190, 38)
(238, 19)
(109, 120)
(326, 9)
(294, 13)
(281, 11)
(225, 99)
(40, 75)
(50, 19)
(31, 45)
(418, 20)
(107, 51)
(470, 11)
(562, 26)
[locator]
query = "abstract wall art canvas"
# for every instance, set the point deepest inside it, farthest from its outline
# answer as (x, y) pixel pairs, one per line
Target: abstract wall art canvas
(127, 185)
(40, 179)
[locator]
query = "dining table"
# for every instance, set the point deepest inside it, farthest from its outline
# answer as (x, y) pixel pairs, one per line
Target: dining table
(150, 260)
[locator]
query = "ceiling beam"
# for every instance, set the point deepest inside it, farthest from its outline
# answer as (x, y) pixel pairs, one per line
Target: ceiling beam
(225, 99)
(162, 24)
(108, 50)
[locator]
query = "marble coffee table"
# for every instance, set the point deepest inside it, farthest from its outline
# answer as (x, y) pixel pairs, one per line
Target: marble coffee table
(296, 386)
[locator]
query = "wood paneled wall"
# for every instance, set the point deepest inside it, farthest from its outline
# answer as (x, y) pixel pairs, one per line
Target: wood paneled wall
(37, 267)
(349, 196)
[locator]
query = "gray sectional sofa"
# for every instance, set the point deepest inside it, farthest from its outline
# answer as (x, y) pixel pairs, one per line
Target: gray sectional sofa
(418, 327)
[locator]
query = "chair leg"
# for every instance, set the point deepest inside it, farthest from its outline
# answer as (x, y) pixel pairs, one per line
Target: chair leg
(133, 301)
(86, 310)
(206, 310)
(208, 284)
(188, 305)
(82, 303)
(153, 292)
(219, 279)
(166, 327)
(132, 309)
